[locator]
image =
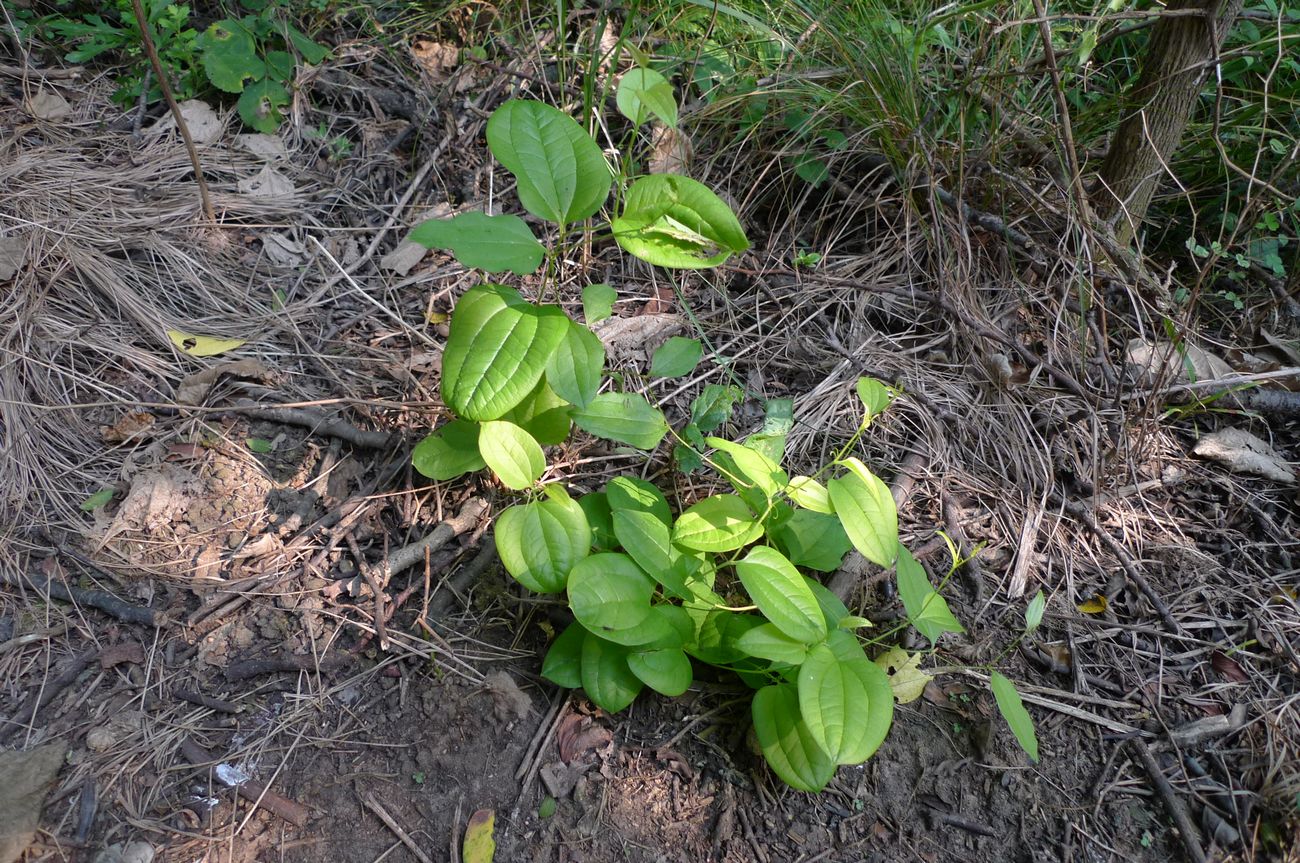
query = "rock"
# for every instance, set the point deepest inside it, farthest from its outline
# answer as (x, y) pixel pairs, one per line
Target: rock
(27, 776)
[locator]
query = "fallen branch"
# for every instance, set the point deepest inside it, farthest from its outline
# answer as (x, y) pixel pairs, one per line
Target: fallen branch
(291, 662)
(45, 693)
(232, 777)
(1187, 831)
(318, 423)
(101, 599)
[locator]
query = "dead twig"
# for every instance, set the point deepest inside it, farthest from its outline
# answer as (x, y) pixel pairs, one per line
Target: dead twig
(318, 423)
(257, 667)
(101, 599)
(1187, 831)
(207, 701)
(232, 777)
(373, 805)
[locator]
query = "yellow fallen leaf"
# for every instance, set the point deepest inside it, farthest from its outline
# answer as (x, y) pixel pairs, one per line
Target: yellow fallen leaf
(906, 678)
(479, 845)
(202, 346)
(1096, 605)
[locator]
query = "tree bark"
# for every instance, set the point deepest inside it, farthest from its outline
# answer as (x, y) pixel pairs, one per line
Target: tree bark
(1182, 50)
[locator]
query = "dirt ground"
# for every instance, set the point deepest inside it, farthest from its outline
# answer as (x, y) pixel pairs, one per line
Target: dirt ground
(248, 503)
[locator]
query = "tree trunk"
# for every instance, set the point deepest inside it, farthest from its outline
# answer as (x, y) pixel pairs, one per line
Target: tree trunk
(1181, 52)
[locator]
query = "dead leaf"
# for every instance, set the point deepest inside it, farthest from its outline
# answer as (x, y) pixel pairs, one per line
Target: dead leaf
(437, 59)
(906, 678)
(269, 147)
(202, 346)
(130, 426)
(130, 651)
(204, 124)
(192, 389)
(1241, 452)
(578, 735)
(1097, 605)
(479, 846)
(670, 151)
(48, 105)
(675, 762)
(13, 254)
(27, 776)
(403, 259)
(1227, 667)
(636, 338)
(267, 183)
(283, 251)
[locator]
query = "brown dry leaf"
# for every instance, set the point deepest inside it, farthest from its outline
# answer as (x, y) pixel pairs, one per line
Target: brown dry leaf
(267, 183)
(509, 701)
(130, 651)
(670, 151)
(1242, 452)
(1227, 667)
(1097, 605)
(192, 389)
(578, 735)
(129, 426)
(637, 337)
(437, 59)
(48, 105)
(28, 775)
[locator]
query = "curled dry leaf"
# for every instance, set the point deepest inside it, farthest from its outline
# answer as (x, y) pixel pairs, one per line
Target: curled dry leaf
(267, 183)
(437, 59)
(193, 389)
(1241, 452)
(48, 105)
(578, 735)
(638, 337)
(1227, 667)
(131, 425)
(670, 151)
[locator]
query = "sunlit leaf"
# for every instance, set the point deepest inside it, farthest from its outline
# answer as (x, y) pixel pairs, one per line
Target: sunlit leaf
(490, 243)
(1014, 712)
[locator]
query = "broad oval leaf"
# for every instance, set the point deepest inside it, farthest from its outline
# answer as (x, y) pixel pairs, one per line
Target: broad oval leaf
(673, 221)
(229, 55)
(638, 495)
(647, 540)
(768, 642)
(597, 302)
(675, 357)
(605, 676)
(754, 468)
(539, 543)
(575, 368)
(847, 705)
(644, 92)
(788, 745)
(866, 509)
(624, 417)
(607, 592)
(512, 454)
(719, 523)
(562, 174)
(497, 350)
(875, 397)
(666, 671)
(449, 452)
(493, 244)
(596, 507)
(927, 610)
(1014, 712)
(563, 663)
(543, 414)
(780, 592)
(810, 494)
(812, 539)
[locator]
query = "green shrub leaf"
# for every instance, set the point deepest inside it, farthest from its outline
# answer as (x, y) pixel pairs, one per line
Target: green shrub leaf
(713, 405)
(539, 543)
(675, 357)
(754, 468)
(260, 103)
(1034, 612)
(647, 540)
(497, 350)
(644, 92)
(512, 453)
(96, 500)
(779, 591)
(606, 678)
(310, 51)
(608, 592)
(810, 494)
(1013, 711)
(812, 539)
(449, 452)
(624, 417)
(666, 671)
(229, 55)
(866, 509)
(596, 507)
(927, 610)
(598, 302)
(789, 747)
(575, 369)
(563, 663)
(562, 174)
(633, 493)
(673, 221)
(719, 523)
(767, 642)
(842, 703)
(493, 244)
(543, 414)
(875, 397)
(778, 419)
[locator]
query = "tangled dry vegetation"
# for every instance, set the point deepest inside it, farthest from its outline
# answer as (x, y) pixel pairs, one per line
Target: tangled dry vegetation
(1022, 433)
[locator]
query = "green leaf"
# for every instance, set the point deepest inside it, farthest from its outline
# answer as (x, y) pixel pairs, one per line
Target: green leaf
(608, 592)
(624, 417)
(575, 369)
(562, 174)
(646, 539)
(449, 452)
(497, 350)
(258, 444)
(563, 663)
(866, 509)
(490, 243)
(719, 523)
(927, 610)
(673, 221)
(539, 543)
(810, 494)
(675, 357)
(279, 66)
(847, 706)
(606, 678)
(788, 745)
(512, 454)
(260, 103)
(543, 414)
(229, 55)
(546, 809)
(596, 507)
(598, 302)
(644, 92)
(1013, 711)
(666, 671)
(766, 641)
(780, 593)
(833, 608)
(811, 170)
(632, 493)
(778, 419)
(875, 397)
(96, 500)
(754, 468)
(310, 51)
(1034, 612)
(812, 539)
(713, 405)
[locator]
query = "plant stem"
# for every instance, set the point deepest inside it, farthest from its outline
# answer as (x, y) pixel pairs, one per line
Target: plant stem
(147, 38)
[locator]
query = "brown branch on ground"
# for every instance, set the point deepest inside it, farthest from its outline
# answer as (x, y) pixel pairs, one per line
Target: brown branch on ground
(1187, 831)
(289, 662)
(318, 423)
(198, 698)
(254, 792)
(101, 599)
(44, 693)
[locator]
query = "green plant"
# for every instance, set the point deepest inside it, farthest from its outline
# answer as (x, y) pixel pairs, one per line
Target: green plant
(720, 582)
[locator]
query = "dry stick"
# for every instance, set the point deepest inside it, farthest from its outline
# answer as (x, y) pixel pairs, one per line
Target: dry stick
(293, 662)
(47, 692)
(101, 599)
(147, 38)
(207, 701)
(257, 794)
(367, 572)
(318, 422)
(373, 805)
(1186, 830)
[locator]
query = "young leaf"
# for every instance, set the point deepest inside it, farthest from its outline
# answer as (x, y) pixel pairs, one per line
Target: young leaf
(1034, 612)
(867, 511)
(767, 642)
(258, 444)
(637, 495)
(96, 500)
(563, 663)
(666, 671)
(675, 357)
(906, 678)
(562, 174)
(753, 467)
(512, 454)
(539, 543)
(497, 350)
(842, 703)
(673, 221)
(643, 92)
(608, 592)
(788, 745)
(780, 593)
(810, 494)
(449, 452)
(598, 302)
(875, 397)
(927, 610)
(713, 405)
(1013, 711)
(718, 523)
(605, 676)
(490, 243)
(575, 368)
(624, 417)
